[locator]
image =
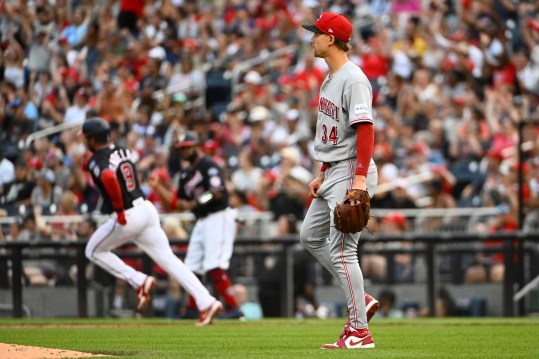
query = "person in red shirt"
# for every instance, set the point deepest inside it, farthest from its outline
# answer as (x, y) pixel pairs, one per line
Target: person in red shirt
(130, 12)
(164, 177)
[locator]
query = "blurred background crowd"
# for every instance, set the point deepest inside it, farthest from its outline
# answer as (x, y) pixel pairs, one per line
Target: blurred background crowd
(452, 80)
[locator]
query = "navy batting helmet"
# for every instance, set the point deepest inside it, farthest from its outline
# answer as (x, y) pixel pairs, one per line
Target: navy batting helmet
(96, 128)
(187, 139)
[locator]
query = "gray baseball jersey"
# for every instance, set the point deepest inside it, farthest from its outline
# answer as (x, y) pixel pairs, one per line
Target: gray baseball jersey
(345, 100)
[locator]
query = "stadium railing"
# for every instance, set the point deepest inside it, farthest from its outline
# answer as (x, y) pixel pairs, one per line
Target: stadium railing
(452, 219)
(431, 248)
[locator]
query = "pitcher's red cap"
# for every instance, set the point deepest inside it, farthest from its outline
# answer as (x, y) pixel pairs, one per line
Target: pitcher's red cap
(332, 24)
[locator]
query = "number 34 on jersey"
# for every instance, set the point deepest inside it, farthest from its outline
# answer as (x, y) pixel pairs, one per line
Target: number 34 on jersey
(329, 134)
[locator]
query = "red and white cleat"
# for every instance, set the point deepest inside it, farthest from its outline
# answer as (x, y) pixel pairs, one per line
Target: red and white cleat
(144, 293)
(371, 306)
(207, 316)
(353, 339)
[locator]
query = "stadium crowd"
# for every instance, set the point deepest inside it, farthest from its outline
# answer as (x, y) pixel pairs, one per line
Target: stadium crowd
(452, 80)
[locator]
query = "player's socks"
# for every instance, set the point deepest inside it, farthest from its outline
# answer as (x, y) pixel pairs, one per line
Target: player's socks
(192, 308)
(223, 285)
(191, 304)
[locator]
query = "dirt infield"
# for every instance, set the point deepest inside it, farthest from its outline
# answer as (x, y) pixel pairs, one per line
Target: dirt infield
(13, 351)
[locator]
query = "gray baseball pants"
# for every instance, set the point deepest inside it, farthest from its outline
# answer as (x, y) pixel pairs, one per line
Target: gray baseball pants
(336, 251)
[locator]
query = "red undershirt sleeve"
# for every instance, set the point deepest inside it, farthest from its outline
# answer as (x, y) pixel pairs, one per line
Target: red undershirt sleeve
(110, 182)
(364, 147)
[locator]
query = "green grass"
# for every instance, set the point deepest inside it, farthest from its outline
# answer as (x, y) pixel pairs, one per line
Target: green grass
(279, 338)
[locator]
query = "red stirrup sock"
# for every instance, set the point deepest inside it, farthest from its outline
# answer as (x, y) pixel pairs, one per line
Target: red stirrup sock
(222, 283)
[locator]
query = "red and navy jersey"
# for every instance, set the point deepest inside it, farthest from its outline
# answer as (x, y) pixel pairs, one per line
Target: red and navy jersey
(205, 175)
(118, 160)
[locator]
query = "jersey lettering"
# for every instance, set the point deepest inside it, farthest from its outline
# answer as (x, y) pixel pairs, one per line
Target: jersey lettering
(198, 181)
(329, 108)
(333, 137)
(118, 160)
(117, 157)
(193, 182)
(129, 176)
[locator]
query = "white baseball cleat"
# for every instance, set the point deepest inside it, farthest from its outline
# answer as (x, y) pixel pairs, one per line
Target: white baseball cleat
(353, 339)
(144, 293)
(207, 316)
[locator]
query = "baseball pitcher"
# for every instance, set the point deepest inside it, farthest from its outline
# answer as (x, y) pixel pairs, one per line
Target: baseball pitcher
(344, 144)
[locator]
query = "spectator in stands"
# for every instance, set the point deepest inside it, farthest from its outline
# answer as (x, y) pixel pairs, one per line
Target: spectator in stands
(396, 197)
(18, 192)
(438, 200)
(54, 160)
(164, 177)
(77, 111)
(375, 265)
(445, 305)
(13, 62)
(491, 267)
(40, 54)
(7, 172)
(190, 79)
(247, 176)
(32, 228)
(85, 229)
(240, 201)
(15, 126)
(64, 229)
(75, 33)
(46, 194)
(388, 305)
(111, 100)
(291, 180)
(250, 309)
(130, 12)
(256, 138)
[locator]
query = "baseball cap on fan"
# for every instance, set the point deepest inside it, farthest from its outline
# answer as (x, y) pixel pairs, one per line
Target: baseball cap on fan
(332, 24)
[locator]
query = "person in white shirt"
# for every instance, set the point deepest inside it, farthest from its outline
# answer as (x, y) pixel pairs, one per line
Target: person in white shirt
(77, 111)
(7, 170)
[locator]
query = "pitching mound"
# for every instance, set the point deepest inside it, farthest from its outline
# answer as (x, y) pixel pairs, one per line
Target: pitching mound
(13, 351)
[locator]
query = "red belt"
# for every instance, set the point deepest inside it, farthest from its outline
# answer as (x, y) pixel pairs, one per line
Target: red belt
(330, 164)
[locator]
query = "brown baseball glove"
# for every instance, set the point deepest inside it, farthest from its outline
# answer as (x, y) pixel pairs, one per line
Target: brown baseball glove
(352, 215)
